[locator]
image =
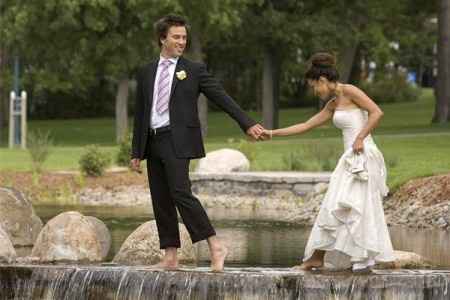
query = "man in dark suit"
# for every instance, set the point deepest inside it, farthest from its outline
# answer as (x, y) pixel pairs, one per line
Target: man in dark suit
(167, 133)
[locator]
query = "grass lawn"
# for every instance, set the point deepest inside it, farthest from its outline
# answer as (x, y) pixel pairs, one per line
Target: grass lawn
(412, 146)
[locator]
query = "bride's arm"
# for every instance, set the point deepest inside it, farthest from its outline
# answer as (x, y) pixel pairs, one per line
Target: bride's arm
(318, 119)
(363, 101)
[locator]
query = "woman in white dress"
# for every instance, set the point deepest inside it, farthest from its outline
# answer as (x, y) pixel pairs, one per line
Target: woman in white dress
(351, 218)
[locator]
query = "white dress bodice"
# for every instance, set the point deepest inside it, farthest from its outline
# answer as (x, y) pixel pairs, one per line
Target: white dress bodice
(351, 122)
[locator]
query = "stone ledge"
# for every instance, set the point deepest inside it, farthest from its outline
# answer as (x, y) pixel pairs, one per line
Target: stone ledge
(119, 282)
(258, 183)
(268, 177)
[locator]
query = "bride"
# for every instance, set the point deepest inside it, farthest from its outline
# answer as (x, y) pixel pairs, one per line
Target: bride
(351, 218)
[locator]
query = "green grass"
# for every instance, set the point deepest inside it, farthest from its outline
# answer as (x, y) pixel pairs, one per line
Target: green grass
(414, 146)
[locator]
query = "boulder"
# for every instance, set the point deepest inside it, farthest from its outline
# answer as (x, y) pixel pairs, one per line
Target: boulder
(405, 260)
(7, 252)
(223, 161)
(142, 247)
(17, 217)
(70, 236)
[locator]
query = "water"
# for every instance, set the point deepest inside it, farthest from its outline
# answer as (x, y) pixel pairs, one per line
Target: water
(137, 283)
(254, 242)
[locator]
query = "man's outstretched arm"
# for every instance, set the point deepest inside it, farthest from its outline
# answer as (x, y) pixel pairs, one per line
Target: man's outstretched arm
(214, 91)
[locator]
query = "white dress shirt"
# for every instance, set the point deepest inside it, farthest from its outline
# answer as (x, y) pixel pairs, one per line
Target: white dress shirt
(160, 120)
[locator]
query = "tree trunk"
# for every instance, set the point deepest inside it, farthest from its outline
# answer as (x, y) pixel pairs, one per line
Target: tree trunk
(270, 87)
(122, 110)
(196, 52)
(442, 91)
(4, 100)
(356, 71)
(347, 59)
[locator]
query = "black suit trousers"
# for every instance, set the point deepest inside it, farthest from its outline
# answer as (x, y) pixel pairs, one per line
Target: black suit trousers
(170, 188)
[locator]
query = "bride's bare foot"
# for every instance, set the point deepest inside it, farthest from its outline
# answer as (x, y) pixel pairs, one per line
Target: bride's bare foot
(308, 265)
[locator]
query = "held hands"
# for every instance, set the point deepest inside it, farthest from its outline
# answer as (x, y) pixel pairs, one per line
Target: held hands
(259, 133)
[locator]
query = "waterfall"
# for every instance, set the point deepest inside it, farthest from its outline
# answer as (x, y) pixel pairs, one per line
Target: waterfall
(64, 282)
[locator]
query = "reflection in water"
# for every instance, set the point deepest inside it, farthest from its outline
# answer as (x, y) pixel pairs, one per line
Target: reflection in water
(431, 244)
(255, 243)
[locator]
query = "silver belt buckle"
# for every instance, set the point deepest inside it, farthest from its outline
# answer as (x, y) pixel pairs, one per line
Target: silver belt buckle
(154, 131)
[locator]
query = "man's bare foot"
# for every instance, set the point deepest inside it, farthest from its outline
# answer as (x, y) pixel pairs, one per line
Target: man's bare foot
(218, 256)
(166, 265)
(308, 265)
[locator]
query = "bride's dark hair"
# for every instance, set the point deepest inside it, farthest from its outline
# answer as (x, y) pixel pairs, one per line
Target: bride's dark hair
(322, 64)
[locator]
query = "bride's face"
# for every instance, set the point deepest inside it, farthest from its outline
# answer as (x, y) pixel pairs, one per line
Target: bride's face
(320, 88)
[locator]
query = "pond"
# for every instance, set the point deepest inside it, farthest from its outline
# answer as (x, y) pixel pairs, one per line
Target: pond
(254, 242)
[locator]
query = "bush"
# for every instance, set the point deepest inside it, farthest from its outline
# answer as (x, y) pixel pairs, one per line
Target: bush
(38, 144)
(315, 156)
(391, 88)
(248, 148)
(124, 153)
(93, 162)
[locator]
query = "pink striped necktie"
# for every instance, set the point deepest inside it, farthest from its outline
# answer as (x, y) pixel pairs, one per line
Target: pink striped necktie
(162, 102)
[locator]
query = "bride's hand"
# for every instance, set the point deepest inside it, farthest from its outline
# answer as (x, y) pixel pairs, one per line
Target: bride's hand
(358, 146)
(266, 135)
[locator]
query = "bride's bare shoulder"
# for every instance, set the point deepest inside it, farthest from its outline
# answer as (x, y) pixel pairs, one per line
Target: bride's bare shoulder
(350, 90)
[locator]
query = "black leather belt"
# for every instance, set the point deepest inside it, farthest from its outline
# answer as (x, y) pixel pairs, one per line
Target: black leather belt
(159, 130)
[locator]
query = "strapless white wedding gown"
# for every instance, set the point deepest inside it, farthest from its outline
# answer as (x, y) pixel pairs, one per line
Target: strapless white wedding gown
(351, 223)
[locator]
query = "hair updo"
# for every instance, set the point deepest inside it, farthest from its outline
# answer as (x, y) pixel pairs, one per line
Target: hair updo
(322, 64)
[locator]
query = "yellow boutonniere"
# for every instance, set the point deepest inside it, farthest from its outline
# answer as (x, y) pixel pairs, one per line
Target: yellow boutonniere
(181, 75)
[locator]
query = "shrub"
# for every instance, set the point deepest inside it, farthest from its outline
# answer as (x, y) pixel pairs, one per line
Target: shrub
(93, 162)
(248, 148)
(38, 144)
(314, 156)
(124, 153)
(391, 88)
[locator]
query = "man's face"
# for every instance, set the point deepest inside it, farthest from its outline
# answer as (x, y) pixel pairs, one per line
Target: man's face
(175, 42)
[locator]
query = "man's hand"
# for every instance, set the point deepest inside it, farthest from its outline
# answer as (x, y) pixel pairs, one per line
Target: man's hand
(255, 131)
(135, 165)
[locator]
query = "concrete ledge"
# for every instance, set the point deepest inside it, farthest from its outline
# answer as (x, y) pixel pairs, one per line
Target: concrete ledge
(257, 183)
(118, 282)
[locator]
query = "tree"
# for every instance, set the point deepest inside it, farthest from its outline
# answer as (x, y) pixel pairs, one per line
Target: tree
(442, 114)
(209, 20)
(73, 45)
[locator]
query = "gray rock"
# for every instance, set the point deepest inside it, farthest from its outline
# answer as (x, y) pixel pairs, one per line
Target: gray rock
(223, 161)
(7, 252)
(405, 260)
(18, 218)
(142, 247)
(103, 234)
(70, 236)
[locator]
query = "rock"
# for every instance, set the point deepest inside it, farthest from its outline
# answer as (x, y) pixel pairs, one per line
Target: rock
(103, 234)
(7, 252)
(18, 218)
(27, 260)
(405, 260)
(222, 161)
(70, 236)
(142, 247)
(320, 188)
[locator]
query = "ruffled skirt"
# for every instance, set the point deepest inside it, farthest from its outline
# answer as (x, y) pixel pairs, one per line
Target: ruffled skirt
(351, 218)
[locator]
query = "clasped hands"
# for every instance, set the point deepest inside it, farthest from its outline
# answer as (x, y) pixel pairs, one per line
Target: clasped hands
(259, 133)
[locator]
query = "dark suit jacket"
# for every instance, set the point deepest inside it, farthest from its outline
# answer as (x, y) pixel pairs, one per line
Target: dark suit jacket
(184, 121)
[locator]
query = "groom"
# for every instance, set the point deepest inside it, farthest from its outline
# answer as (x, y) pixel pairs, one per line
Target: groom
(167, 133)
